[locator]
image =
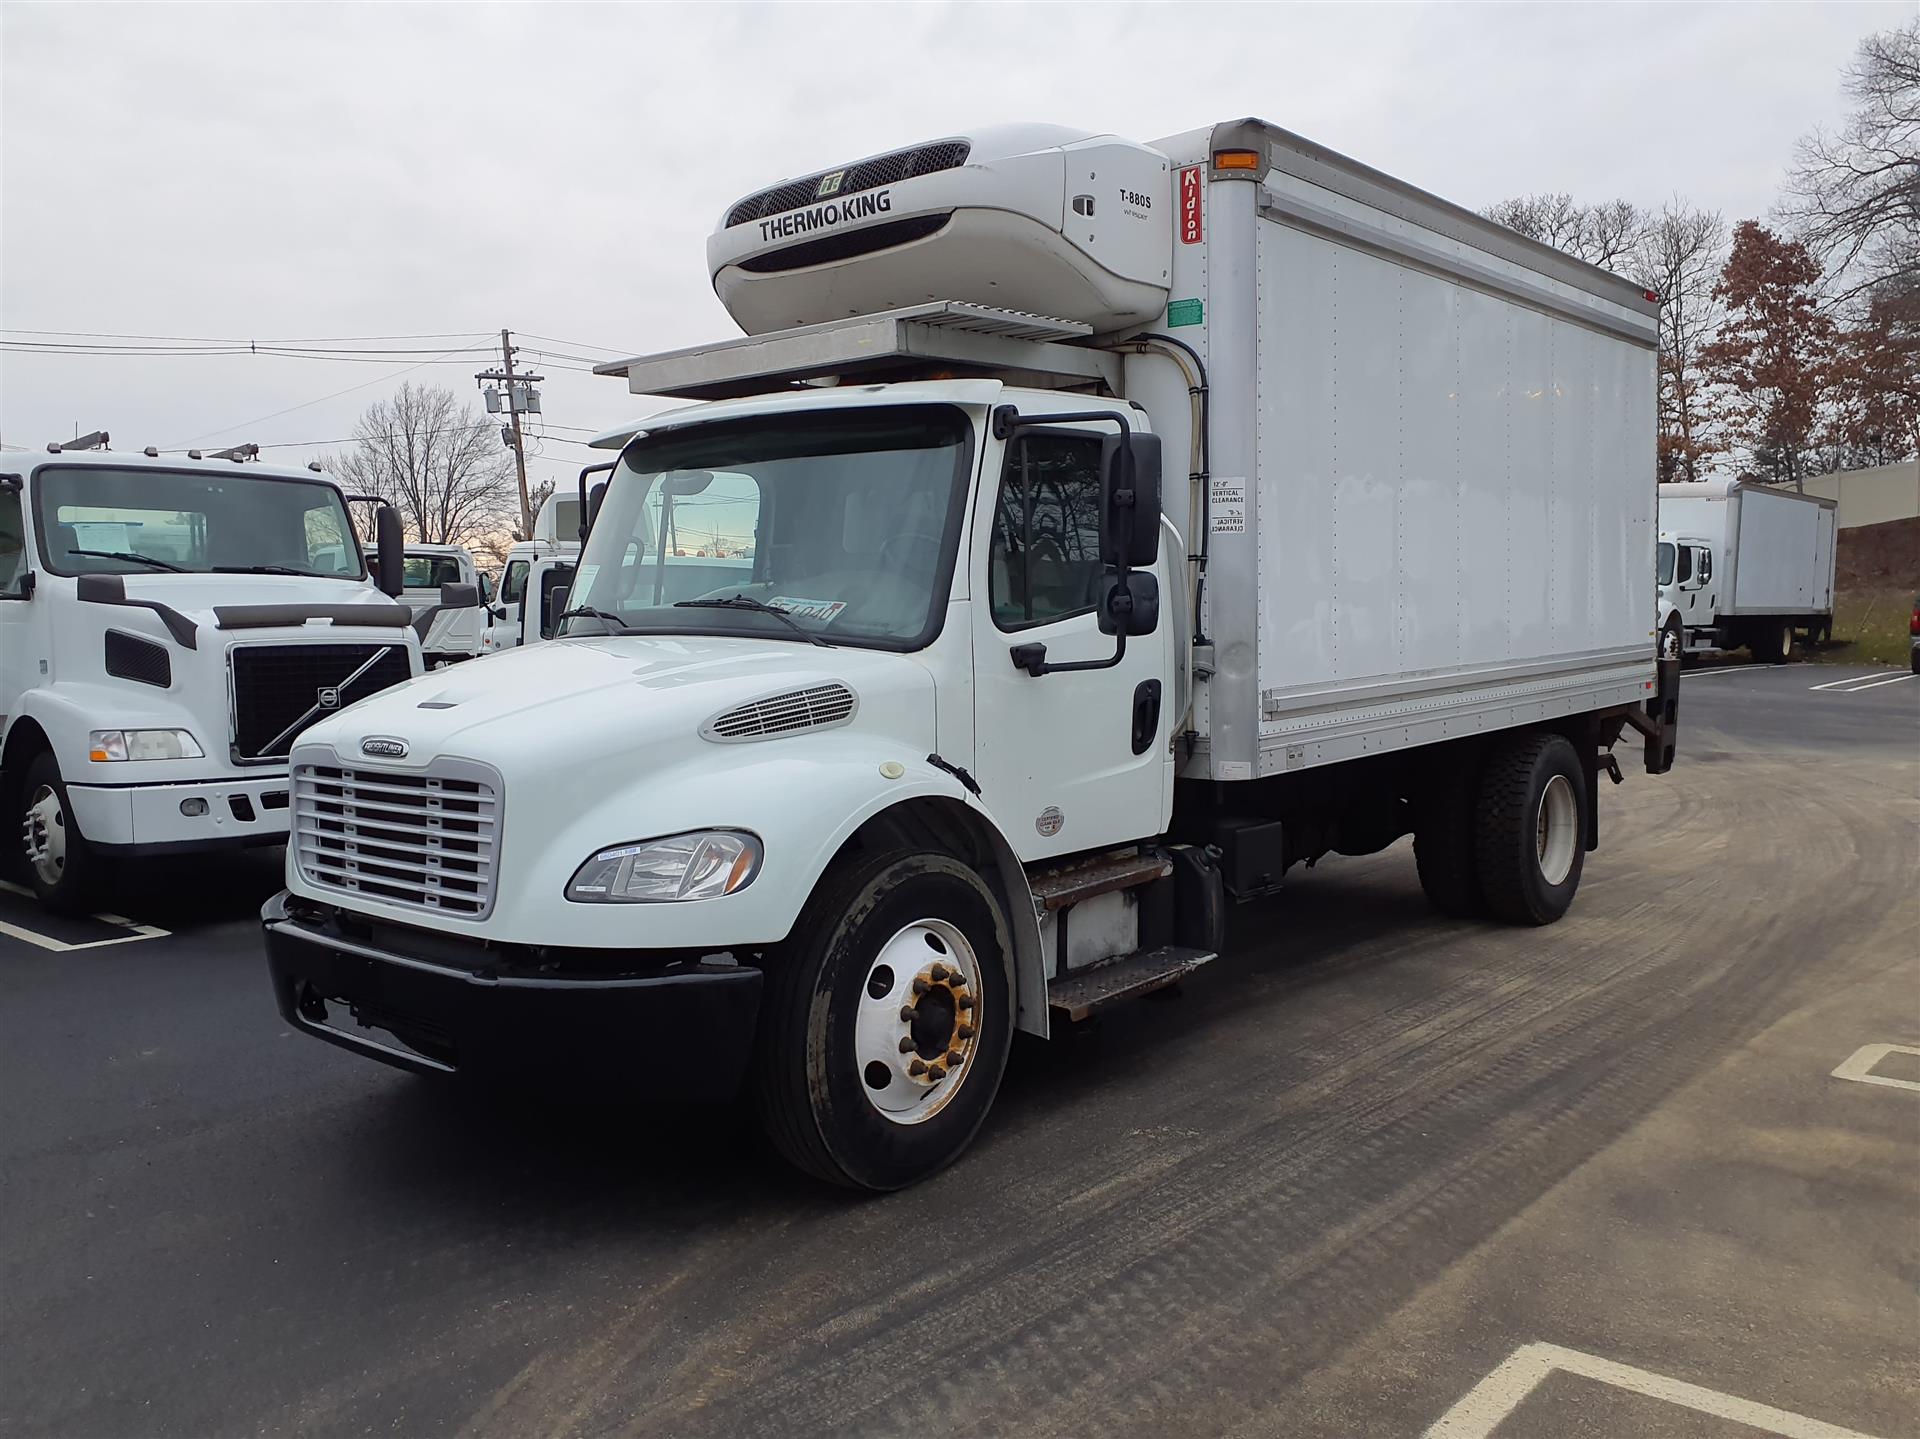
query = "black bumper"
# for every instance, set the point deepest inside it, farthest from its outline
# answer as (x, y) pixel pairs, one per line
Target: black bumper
(686, 1030)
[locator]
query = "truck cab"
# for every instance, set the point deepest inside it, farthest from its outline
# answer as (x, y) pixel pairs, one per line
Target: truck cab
(534, 580)
(456, 634)
(168, 628)
(1688, 599)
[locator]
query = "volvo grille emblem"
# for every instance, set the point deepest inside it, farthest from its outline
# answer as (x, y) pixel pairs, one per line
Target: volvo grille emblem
(384, 747)
(328, 697)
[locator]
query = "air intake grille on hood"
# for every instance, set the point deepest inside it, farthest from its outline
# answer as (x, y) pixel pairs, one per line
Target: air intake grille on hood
(867, 175)
(817, 708)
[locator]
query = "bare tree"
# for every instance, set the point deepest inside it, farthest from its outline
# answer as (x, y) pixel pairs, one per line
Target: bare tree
(425, 455)
(1853, 198)
(1599, 234)
(1679, 258)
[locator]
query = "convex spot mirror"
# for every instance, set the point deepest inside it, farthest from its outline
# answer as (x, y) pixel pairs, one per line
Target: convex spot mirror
(1131, 606)
(1130, 499)
(389, 551)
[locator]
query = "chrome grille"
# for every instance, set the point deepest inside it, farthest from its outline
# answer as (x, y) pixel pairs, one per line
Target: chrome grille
(427, 840)
(779, 714)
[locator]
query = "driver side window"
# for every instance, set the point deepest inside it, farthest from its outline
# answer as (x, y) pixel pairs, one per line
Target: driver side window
(1044, 561)
(13, 552)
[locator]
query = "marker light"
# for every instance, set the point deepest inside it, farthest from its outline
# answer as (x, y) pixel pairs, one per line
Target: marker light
(1236, 159)
(111, 746)
(705, 864)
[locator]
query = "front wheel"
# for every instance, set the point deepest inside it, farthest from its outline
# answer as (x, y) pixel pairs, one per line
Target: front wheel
(886, 1021)
(60, 864)
(1672, 641)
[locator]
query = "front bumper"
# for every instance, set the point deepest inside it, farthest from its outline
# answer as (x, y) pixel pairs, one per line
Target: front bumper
(137, 819)
(684, 1030)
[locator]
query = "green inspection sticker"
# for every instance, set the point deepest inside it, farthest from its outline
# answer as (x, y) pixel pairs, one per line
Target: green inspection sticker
(1183, 312)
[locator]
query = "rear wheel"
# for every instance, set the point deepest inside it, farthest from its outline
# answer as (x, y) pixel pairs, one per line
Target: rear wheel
(1444, 843)
(1531, 828)
(1772, 645)
(60, 865)
(886, 1021)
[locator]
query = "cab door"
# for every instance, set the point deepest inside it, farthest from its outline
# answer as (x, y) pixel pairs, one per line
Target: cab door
(23, 646)
(1076, 760)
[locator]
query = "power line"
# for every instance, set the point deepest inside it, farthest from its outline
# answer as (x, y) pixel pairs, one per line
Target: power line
(570, 344)
(221, 340)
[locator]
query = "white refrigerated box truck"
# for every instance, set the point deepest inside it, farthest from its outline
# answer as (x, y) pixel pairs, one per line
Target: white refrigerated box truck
(1122, 526)
(1744, 564)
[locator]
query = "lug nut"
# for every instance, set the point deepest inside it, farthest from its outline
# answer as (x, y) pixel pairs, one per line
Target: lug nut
(939, 972)
(906, 1014)
(920, 986)
(917, 1067)
(954, 1057)
(936, 1072)
(965, 1001)
(906, 1046)
(965, 1031)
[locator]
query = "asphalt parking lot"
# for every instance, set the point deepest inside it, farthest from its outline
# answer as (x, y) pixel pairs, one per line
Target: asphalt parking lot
(1374, 1174)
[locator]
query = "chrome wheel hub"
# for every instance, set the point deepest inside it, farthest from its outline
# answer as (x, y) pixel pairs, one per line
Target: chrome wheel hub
(43, 834)
(918, 1027)
(1556, 826)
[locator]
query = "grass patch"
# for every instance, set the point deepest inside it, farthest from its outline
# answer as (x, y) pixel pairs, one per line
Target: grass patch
(1869, 628)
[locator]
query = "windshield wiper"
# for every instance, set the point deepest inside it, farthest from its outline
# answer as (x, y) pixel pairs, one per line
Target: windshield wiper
(157, 564)
(620, 626)
(760, 607)
(272, 570)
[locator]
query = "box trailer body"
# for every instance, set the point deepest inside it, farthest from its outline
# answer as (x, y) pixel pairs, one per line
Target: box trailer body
(1744, 564)
(1318, 512)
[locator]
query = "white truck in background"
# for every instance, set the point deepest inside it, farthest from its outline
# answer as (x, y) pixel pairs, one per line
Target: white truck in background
(1744, 564)
(1114, 527)
(453, 634)
(534, 580)
(167, 629)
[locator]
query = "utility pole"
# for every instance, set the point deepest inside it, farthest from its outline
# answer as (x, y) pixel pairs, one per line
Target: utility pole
(517, 400)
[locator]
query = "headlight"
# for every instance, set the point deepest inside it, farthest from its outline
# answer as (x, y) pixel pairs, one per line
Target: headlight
(105, 746)
(706, 864)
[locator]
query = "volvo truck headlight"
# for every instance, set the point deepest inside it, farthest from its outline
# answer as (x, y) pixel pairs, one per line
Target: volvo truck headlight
(107, 746)
(705, 864)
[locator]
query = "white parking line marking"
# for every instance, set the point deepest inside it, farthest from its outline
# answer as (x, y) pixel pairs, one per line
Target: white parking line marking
(1859, 1066)
(1856, 683)
(59, 946)
(1500, 1393)
(1729, 670)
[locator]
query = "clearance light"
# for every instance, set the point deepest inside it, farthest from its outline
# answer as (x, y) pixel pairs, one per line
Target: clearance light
(1236, 159)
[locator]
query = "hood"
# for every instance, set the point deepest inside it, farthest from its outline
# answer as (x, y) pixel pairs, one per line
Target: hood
(195, 595)
(573, 702)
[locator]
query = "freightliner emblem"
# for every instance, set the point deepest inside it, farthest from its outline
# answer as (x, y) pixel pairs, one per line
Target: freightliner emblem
(384, 746)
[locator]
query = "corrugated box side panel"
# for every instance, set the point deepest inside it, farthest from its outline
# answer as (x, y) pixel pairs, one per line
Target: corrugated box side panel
(1784, 566)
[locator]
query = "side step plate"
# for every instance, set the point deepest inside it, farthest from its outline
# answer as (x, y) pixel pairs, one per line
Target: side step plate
(1088, 991)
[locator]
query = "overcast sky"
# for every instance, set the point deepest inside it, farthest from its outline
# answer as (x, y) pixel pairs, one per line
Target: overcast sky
(300, 172)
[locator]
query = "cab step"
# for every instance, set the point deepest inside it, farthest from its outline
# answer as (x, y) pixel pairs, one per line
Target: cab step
(1066, 885)
(1128, 976)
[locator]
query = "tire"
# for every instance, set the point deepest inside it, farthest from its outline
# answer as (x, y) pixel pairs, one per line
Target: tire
(1915, 655)
(1444, 844)
(1530, 829)
(1673, 641)
(835, 1047)
(1772, 645)
(59, 863)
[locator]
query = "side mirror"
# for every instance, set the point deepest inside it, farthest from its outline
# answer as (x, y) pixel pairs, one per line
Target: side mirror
(389, 548)
(459, 597)
(1130, 500)
(1131, 605)
(595, 498)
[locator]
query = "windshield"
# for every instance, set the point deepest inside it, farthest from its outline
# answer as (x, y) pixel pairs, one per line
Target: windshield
(1666, 563)
(98, 521)
(844, 521)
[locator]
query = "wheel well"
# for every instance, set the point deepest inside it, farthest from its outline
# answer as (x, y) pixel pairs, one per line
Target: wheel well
(932, 822)
(25, 739)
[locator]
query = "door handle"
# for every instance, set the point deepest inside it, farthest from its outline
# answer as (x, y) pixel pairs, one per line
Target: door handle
(1146, 715)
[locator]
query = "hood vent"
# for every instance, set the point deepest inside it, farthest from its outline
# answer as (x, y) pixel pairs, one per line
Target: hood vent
(821, 707)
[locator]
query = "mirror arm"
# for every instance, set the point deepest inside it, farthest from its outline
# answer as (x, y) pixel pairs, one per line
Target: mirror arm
(1033, 658)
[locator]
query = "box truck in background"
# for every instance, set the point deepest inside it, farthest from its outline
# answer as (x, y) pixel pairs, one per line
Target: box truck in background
(1117, 527)
(1744, 564)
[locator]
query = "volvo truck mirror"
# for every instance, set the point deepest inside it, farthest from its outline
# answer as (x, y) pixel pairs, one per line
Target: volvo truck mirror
(389, 549)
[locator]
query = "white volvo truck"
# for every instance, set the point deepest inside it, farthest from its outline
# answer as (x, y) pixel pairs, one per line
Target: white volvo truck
(167, 628)
(1744, 564)
(1126, 525)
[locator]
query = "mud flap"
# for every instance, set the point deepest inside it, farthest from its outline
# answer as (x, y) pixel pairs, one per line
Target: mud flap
(1659, 721)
